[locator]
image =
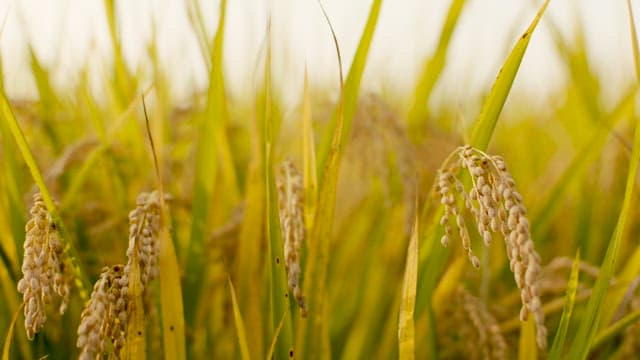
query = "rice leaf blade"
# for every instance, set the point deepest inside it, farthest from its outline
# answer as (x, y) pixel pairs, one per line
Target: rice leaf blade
(280, 299)
(205, 173)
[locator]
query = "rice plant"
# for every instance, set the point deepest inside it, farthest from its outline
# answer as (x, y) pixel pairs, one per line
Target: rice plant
(139, 225)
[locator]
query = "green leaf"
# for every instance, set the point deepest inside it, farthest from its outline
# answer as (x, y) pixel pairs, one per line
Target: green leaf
(280, 299)
(205, 174)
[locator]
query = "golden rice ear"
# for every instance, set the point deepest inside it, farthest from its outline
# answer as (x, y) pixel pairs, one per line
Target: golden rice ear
(105, 315)
(291, 211)
(45, 268)
(496, 206)
(144, 229)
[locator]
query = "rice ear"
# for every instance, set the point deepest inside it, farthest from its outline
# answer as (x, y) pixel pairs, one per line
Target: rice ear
(496, 207)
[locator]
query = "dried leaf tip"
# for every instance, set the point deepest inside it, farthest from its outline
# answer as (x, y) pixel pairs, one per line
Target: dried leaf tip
(45, 268)
(291, 211)
(496, 207)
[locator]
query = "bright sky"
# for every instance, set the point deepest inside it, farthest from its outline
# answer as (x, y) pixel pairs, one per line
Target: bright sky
(68, 33)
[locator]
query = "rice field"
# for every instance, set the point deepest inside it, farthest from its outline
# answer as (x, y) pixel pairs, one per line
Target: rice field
(359, 226)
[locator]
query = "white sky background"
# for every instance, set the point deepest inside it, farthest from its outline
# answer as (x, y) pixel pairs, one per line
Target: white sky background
(68, 33)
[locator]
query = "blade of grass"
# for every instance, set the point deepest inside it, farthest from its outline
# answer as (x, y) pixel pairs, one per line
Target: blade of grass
(81, 280)
(431, 71)
(9, 336)
(206, 173)
(280, 299)
(242, 336)
(406, 326)
(569, 302)
(484, 126)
